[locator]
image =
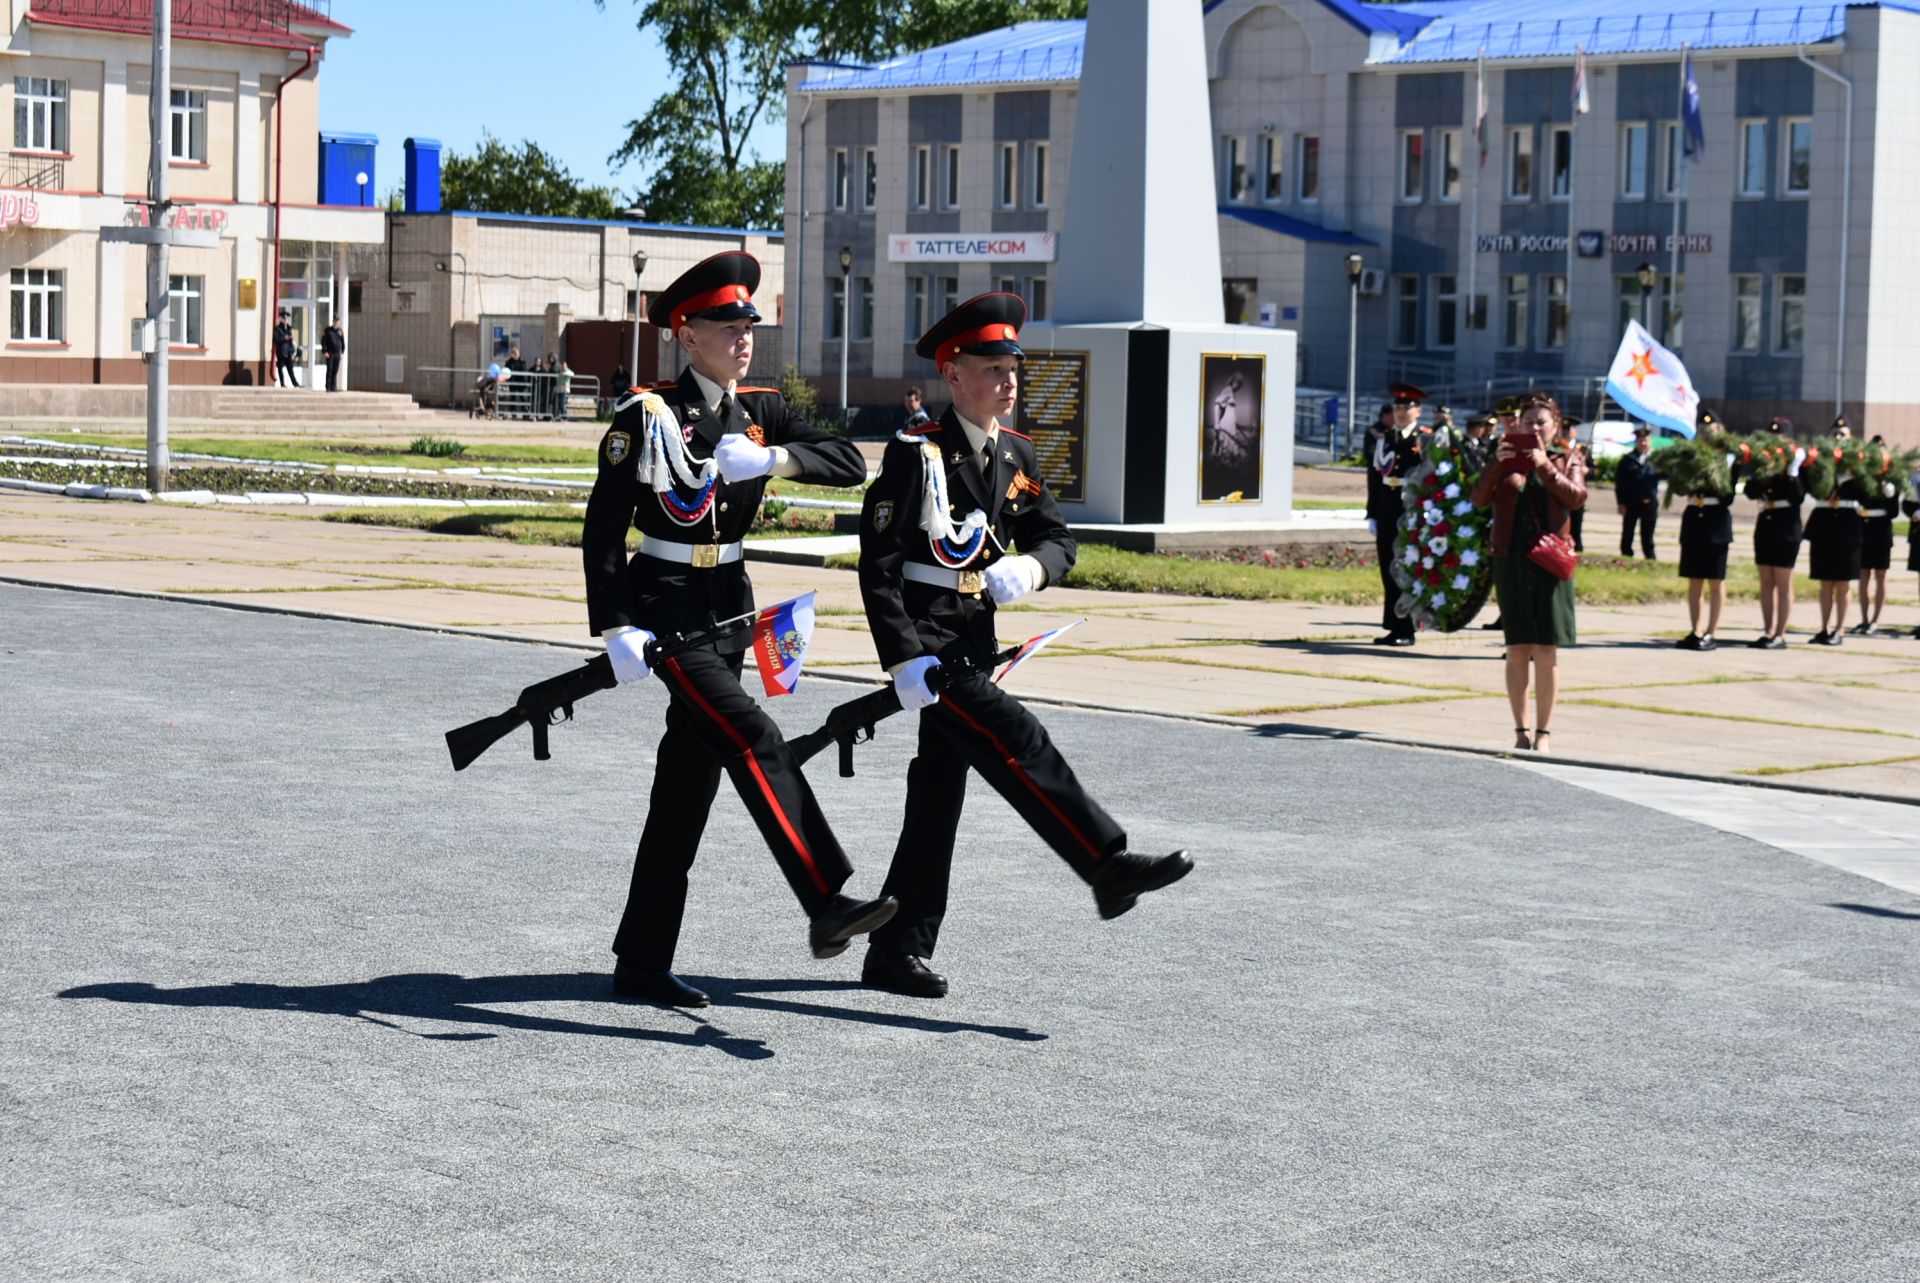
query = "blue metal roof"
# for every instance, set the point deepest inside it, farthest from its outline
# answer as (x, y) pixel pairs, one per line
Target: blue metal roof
(1025, 53)
(1298, 228)
(1459, 30)
(772, 235)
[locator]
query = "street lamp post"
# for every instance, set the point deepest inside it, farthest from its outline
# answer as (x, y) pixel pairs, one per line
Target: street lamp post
(1647, 277)
(361, 178)
(1354, 264)
(845, 323)
(633, 366)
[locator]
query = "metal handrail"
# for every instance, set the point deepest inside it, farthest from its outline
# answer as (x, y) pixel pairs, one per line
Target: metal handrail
(48, 175)
(526, 395)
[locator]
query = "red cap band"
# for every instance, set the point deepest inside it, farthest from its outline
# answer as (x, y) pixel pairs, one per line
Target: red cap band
(985, 334)
(707, 302)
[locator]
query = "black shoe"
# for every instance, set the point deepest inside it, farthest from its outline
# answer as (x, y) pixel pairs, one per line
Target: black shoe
(662, 987)
(1915, 633)
(1707, 643)
(1387, 639)
(1777, 643)
(1400, 639)
(905, 973)
(1690, 642)
(1120, 880)
(842, 918)
(1827, 639)
(1762, 642)
(1863, 630)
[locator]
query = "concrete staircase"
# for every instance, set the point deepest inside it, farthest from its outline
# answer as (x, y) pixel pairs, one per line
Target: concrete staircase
(239, 410)
(295, 406)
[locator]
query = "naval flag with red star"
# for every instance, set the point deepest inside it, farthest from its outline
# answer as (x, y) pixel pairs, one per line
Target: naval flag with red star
(1651, 384)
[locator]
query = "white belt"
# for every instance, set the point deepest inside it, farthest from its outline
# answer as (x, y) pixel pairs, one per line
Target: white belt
(1780, 503)
(1705, 501)
(1395, 481)
(965, 581)
(1875, 512)
(1842, 503)
(703, 556)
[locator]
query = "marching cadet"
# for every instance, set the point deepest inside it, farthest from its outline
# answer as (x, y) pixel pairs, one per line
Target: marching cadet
(686, 463)
(1876, 551)
(1834, 535)
(1777, 533)
(1706, 534)
(938, 531)
(1396, 452)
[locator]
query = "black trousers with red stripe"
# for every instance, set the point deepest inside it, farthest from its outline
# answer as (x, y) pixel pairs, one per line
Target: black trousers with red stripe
(713, 724)
(979, 726)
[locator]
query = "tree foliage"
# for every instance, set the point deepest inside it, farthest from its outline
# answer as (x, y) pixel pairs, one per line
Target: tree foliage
(729, 60)
(500, 180)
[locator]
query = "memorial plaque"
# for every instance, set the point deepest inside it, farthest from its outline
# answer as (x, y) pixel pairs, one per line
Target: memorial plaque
(1052, 409)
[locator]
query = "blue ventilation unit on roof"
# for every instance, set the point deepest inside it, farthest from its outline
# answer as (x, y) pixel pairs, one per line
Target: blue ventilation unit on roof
(423, 176)
(343, 158)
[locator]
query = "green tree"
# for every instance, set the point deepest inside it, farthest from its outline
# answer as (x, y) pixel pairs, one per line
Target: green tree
(729, 60)
(500, 180)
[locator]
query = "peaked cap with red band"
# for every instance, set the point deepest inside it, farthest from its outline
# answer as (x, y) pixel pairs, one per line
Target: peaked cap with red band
(715, 289)
(983, 326)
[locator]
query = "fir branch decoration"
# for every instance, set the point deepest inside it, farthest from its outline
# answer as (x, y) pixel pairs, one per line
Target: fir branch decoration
(1697, 467)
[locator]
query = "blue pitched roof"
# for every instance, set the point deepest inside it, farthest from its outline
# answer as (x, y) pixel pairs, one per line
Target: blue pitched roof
(1298, 228)
(1025, 53)
(1458, 30)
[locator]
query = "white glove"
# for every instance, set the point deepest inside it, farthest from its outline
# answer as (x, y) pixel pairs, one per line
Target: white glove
(1888, 489)
(910, 682)
(1373, 527)
(1799, 457)
(627, 648)
(739, 459)
(1014, 578)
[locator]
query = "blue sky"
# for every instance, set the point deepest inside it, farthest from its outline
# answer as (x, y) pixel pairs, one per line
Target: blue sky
(561, 72)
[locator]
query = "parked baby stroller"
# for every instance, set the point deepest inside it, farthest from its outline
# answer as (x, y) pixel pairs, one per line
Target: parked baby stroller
(486, 399)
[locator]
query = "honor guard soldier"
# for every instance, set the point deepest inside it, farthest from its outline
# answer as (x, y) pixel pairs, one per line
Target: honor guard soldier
(1835, 532)
(1396, 452)
(686, 464)
(938, 532)
(1706, 534)
(1878, 508)
(1777, 532)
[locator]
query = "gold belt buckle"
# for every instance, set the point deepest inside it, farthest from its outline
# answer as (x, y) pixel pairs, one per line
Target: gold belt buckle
(971, 581)
(706, 556)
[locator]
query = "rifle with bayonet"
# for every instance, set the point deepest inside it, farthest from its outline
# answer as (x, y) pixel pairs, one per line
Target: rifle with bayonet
(853, 722)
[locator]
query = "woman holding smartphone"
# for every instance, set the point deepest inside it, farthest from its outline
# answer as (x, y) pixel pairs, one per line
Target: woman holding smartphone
(1533, 491)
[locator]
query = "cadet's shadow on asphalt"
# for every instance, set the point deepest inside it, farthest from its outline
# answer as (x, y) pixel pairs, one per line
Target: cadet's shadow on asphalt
(1876, 911)
(466, 1000)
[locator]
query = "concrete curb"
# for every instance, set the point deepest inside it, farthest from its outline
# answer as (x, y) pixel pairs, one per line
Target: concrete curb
(1302, 730)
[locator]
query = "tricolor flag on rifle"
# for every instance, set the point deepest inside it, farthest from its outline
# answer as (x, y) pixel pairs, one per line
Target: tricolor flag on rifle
(1651, 384)
(781, 635)
(1580, 104)
(1033, 646)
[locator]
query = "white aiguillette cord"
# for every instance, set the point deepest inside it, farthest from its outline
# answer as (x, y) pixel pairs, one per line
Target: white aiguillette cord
(933, 498)
(659, 465)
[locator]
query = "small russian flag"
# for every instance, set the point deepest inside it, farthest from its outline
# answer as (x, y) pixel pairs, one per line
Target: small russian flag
(781, 635)
(1033, 646)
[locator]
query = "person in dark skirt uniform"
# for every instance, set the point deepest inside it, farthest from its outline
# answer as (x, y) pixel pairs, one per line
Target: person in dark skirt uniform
(1876, 551)
(1706, 533)
(1776, 543)
(1636, 494)
(1834, 535)
(1912, 508)
(1396, 452)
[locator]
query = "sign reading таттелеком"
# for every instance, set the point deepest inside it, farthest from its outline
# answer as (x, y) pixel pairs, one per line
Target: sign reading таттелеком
(983, 247)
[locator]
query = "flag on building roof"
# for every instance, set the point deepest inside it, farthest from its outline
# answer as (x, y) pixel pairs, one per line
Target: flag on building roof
(1580, 104)
(1651, 383)
(781, 635)
(1480, 108)
(1690, 110)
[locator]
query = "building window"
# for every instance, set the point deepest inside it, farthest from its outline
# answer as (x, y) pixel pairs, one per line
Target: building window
(1520, 162)
(1513, 332)
(38, 305)
(1673, 168)
(1446, 312)
(836, 306)
(950, 178)
(184, 312)
(839, 171)
(1237, 297)
(1037, 177)
(356, 296)
(1633, 161)
(1555, 288)
(1406, 311)
(1791, 295)
(1448, 141)
(1631, 302)
(1037, 302)
(1798, 177)
(39, 114)
(1233, 167)
(188, 116)
(1006, 285)
(923, 177)
(917, 320)
(1560, 162)
(862, 309)
(949, 294)
(1275, 149)
(1673, 312)
(1753, 158)
(1309, 167)
(1006, 187)
(1413, 156)
(869, 177)
(1747, 314)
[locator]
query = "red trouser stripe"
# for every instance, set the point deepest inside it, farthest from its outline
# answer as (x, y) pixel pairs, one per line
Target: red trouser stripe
(759, 776)
(1013, 764)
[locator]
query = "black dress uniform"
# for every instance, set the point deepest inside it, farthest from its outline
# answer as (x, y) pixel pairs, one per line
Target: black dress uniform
(1876, 526)
(1706, 533)
(1636, 488)
(925, 594)
(688, 574)
(1777, 530)
(1393, 455)
(1834, 533)
(1912, 508)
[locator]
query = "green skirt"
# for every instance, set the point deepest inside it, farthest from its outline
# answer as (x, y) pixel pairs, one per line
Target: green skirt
(1535, 608)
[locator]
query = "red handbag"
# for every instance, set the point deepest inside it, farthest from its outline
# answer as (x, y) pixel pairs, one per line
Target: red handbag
(1553, 553)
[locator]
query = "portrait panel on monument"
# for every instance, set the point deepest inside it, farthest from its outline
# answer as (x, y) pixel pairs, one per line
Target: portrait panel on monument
(1052, 410)
(1232, 393)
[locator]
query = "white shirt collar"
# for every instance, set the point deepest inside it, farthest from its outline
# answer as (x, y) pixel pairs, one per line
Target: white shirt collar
(978, 438)
(710, 392)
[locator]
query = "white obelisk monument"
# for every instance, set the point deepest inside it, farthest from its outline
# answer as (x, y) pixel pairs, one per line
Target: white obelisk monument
(1149, 409)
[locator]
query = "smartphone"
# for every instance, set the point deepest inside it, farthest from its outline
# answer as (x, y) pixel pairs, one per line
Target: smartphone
(1523, 444)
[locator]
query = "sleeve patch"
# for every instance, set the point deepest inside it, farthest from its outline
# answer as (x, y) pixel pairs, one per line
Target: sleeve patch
(618, 446)
(882, 515)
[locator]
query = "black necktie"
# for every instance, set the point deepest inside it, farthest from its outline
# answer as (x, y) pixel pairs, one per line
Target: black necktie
(724, 409)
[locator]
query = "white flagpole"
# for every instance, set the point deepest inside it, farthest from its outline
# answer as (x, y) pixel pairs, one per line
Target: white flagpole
(1680, 178)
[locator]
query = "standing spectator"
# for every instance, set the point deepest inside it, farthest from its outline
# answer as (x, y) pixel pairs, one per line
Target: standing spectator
(1478, 444)
(1777, 534)
(1569, 441)
(916, 416)
(1533, 493)
(1636, 494)
(562, 388)
(283, 371)
(333, 345)
(1396, 449)
(1876, 551)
